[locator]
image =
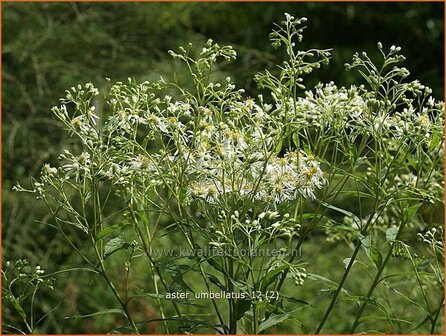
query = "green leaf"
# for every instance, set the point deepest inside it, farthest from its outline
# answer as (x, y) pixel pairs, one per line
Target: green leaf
(331, 284)
(320, 279)
(241, 307)
(322, 295)
(405, 274)
(77, 224)
(215, 265)
(346, 262)
(382, 318)
(272, 274)
(273, 320)
(411, 211)
(370, 301)
(15, 303)
(112, 246)
(366, 241)
(355, 218)
(75, 269)
(296, 139)
(391, 233)
(240, 285)
(435, 141)
(375, 256)
(412, 162)
(297, 300)
(103, 312)
(405, 297)
(154, 295)
(278, 147)
(109, 229)
(356, 193)
(216, 282)
(372, 252)
(177, 271)
(169, 229)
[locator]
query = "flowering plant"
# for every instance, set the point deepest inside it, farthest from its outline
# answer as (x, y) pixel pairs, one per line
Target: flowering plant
(245, 176)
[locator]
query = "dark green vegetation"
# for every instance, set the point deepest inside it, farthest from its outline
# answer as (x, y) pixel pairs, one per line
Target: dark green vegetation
(48, 48)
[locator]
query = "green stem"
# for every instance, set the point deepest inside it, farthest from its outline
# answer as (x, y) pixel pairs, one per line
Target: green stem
(304, 234)
(152, 262)
(191, 243)
(232, 310)
(113, 289)
(338, 290)
(376, 281)
(371, 290)
(254, 319)
(437, 314)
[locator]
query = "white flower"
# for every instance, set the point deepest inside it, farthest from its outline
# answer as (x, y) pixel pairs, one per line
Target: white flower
(158, 122)
(431, 102)
(206, 189)
(141, 162)
(48, 170)
(92, 116)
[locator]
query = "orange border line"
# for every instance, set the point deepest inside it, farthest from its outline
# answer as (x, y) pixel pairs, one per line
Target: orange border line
(233, 1)
(195, 1)
(444, 163)
(1, 164)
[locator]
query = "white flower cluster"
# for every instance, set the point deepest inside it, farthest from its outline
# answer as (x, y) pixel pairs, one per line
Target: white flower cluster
(21, 269)
(224, 148)
(215, 147)
(236, 157)
(267, 225)
(355, 112)
(328, 107)
(433, 237)
(276, 180)
(77, 166)
(296, 272)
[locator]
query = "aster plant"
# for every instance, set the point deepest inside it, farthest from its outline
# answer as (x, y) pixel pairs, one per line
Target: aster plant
(247, 175)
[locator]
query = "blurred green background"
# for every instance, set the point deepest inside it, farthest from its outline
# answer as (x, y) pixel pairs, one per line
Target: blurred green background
(49, 47)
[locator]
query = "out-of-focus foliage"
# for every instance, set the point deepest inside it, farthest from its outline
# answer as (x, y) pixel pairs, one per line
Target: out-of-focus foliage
(49, 47)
